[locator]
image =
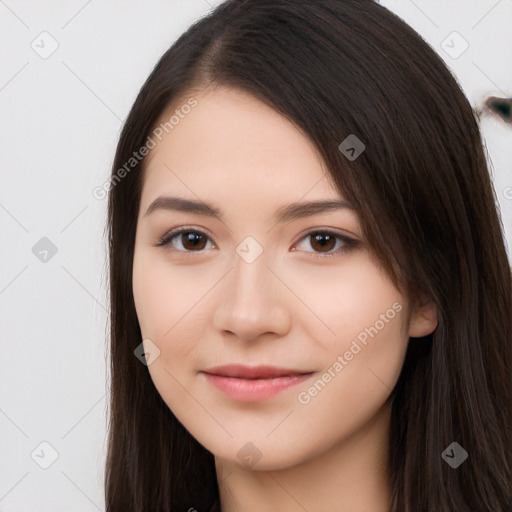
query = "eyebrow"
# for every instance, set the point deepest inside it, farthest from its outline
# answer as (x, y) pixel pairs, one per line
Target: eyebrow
(286, 213)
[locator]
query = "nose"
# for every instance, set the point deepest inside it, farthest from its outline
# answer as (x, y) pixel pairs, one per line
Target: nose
(253, 301)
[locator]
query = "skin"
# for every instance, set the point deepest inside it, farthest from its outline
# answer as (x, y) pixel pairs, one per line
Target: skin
(288, 308)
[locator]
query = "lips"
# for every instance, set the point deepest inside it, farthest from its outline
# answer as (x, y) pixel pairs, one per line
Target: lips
(239, 371)
(253, 383)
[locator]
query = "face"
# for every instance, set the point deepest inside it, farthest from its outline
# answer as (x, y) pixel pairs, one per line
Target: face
(256, 286)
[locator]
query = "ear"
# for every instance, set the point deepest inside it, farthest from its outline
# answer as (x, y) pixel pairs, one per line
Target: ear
(423, 319)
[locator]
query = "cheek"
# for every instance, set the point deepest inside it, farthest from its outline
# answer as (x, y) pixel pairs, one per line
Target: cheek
(363, 353)
(164, 302)
(372, 358)
(160, 295)
(168, 300)
(355, 382)
(351, 301)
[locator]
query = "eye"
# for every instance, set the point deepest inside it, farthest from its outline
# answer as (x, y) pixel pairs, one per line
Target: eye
(325, 241)
(187, 240)
(191, 240)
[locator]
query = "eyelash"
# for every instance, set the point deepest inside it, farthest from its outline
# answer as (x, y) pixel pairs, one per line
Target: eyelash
(349, 243)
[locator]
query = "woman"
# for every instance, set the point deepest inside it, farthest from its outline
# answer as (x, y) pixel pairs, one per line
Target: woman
(310, 292)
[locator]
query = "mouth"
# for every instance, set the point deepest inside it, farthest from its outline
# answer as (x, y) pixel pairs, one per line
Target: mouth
(253, 383)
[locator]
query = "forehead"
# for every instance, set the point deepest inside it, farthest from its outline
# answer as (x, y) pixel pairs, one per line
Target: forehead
(232, 146)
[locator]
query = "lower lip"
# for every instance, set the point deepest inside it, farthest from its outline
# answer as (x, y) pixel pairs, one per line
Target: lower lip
(254, 390)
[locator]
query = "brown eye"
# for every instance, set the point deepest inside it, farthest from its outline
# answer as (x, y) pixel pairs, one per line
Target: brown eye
(192, 240)
(185, 240)
(324, 243)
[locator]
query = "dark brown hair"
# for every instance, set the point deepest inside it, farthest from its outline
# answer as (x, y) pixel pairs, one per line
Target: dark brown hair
(428, 209)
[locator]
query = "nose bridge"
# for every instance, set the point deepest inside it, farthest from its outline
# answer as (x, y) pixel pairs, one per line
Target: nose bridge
(251, 302)
(250, 276)
(250, 280)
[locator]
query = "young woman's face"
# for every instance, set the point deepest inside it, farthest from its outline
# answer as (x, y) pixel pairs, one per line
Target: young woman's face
(257, 286)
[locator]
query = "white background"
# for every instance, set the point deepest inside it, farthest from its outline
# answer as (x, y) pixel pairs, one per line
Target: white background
(60, 121)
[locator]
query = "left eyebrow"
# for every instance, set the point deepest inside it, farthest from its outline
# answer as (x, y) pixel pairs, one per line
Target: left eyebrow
(286, 213)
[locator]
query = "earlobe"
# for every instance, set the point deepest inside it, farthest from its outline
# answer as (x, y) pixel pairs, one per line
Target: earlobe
(423, 319)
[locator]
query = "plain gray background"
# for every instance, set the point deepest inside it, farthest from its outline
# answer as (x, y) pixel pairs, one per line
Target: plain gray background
(61, 116)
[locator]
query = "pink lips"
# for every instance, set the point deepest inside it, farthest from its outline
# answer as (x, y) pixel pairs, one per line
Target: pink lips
(253, 383)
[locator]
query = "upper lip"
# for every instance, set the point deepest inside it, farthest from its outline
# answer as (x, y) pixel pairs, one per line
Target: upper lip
(252, 372)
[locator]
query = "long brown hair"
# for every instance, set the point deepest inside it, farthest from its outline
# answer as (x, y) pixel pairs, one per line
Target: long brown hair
(429, 212)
